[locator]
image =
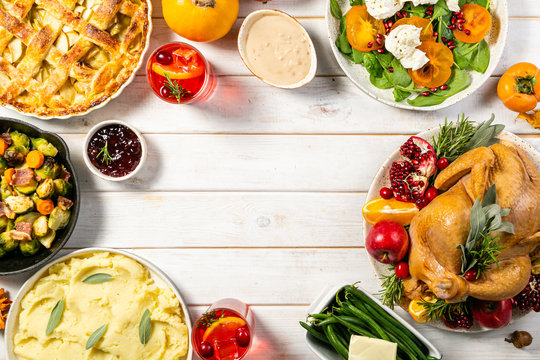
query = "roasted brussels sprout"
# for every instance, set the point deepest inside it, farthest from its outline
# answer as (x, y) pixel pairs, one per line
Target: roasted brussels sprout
(46, 189)
(49, 170)
(48, 239)
(59, 218)
(62, 187)
(5, 189)
(29, 247)
(28, 218)
(44, 146)
(20, 204)
(28, 189)
(15, 155)
(11, 225)
(40, 226)
(19, 139)
(7, 243)
(3, 165)
(3, 222)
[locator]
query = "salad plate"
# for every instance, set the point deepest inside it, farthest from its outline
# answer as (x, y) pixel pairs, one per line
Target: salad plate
(359, 75)
(382, 179)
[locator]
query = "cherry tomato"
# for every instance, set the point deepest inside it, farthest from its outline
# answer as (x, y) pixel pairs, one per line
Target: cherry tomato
(362, 29)
(439, 68)
(519, 87)
(476, 26)
(425, 24)
(402, 270)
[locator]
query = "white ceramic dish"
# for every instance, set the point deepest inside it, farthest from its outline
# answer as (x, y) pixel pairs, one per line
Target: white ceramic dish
(242, 37)
(326, 298)
(381, 179)
(360, 77)
(160, 278)
(98, 173)
(113, 96)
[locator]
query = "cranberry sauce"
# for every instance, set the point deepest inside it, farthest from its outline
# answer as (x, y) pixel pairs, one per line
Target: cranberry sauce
(115, 150)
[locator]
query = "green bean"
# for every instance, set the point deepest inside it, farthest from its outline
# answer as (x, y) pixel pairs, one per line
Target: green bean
(316, 334)
(335, 341)
(357, 329)
(369, 320)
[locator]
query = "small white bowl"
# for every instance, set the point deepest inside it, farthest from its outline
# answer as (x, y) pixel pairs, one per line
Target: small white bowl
(95, 170)
(242, 38)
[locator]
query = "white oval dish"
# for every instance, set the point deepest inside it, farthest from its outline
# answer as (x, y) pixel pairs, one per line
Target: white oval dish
(91, 166)
(160, 278)
(358, 74)
(381, 179)
(326, 299)
(242, 37)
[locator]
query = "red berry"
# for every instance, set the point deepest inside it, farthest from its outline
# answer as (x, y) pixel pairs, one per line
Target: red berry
(386, 193)
(425, 93)
(421, 202)
(165, 92)
(444, 87)
(380, 51)
(442, 163)
(242, 337)
(402, 270)
(391, 69)
(471, 275)
(164, 58)
(370, 44)
(206, 349)
(431, 194)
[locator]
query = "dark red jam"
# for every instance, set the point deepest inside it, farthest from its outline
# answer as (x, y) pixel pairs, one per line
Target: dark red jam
(115, 150)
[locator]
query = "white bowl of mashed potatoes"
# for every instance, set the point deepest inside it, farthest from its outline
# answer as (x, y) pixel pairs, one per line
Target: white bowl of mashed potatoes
(122, 287)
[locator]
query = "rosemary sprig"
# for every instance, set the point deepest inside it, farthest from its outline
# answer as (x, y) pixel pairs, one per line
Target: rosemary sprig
(177, 91)
(440, 309)
(104, 153)
(208, 318)
(482, 248)
(392, 289)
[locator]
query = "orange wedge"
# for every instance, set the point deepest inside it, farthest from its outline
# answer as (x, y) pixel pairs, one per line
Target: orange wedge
(418, 311)
(380, 209)
(222, 328)
(175, 72)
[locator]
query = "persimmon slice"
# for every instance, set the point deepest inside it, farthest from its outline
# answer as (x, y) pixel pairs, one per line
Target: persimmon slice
(362, 29)
(476, 26)
(424, 24)
(439, 68)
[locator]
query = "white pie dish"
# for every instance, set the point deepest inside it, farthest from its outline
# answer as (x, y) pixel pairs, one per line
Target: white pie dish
(358, 74)
(325, 300)
(381, 179)
(91, 166)
(159, 277)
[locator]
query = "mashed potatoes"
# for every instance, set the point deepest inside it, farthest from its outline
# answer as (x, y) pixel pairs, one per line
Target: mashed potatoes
(120, 303)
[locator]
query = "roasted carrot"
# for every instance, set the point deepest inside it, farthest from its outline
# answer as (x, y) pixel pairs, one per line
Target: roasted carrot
(45, 207)
(3, 147)
(35, 159)
(8, 175)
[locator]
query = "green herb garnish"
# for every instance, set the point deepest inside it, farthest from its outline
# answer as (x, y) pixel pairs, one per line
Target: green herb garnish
(54, 318)
(392, 289)
(481, 248)
(97, 278)
(177, 91)
(208, 318)
(440, 308)
(145, 327)
(96, 335)
(104, 153)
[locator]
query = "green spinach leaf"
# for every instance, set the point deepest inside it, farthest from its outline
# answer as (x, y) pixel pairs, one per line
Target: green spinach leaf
(372, 65)
(400, 95)
(457, 82)
(335, 9)
(357, 56)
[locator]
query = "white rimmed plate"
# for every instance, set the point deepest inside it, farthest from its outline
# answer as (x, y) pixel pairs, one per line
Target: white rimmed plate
(159, 277)
(358, 74)
(381, 179)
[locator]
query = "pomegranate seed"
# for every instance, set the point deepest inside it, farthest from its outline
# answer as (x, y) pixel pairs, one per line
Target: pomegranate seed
(471, 275)
(460, 21)
(380, 51)
(379, 36)
(164, 58)
(425, 93)
(378, 41)
(242, 337)
(443, 163)
(370, 44)
(386, 193)
(435, 34)
(207, 350)
(451, 42)
(431, 194)
(460, 27)
(460, 14)
(390, 23)
(402, 270)
(456, 13)
(452, 47)
(454, 20)
(467, 32)
(399, 15)
(431, 8)
(444, 40)
(391, 69)
(429, 12)
(421, 203)
(451, 27)
(404, 13)
(433, 90)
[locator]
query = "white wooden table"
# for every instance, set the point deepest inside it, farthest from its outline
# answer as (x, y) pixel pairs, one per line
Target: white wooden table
(257, 193)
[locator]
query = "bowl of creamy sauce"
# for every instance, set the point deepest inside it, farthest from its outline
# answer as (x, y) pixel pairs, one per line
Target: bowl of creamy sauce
(277, 49)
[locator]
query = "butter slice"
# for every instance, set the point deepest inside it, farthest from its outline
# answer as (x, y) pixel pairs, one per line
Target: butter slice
(364, 348)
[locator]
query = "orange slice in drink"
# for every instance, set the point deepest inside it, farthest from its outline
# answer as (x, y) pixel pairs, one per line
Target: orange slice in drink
(380, 209)
(176, 72)
(223, 328)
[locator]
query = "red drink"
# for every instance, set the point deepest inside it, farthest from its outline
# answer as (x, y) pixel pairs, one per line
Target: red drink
(179, 74)
(224, 331)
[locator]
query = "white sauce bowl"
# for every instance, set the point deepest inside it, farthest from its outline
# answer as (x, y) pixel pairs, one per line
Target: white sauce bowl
(242, 39)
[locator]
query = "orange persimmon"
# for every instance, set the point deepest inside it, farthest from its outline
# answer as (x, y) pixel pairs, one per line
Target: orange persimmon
(35, 159)
(519, 87)
(424, 24)
(476, 26)
(45, 207)
(439, 68)
(362, 29)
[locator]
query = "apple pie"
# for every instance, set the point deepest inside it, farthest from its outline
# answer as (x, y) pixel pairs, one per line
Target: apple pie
(64, 57)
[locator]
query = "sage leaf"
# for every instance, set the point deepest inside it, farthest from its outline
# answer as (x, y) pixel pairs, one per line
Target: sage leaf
(54, 318)
(490, 196)
(97, 278)
(96, 335)
(145, 327)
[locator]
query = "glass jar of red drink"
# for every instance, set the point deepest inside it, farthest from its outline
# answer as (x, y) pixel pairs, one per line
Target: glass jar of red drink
(179, 74)
(224, 331)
